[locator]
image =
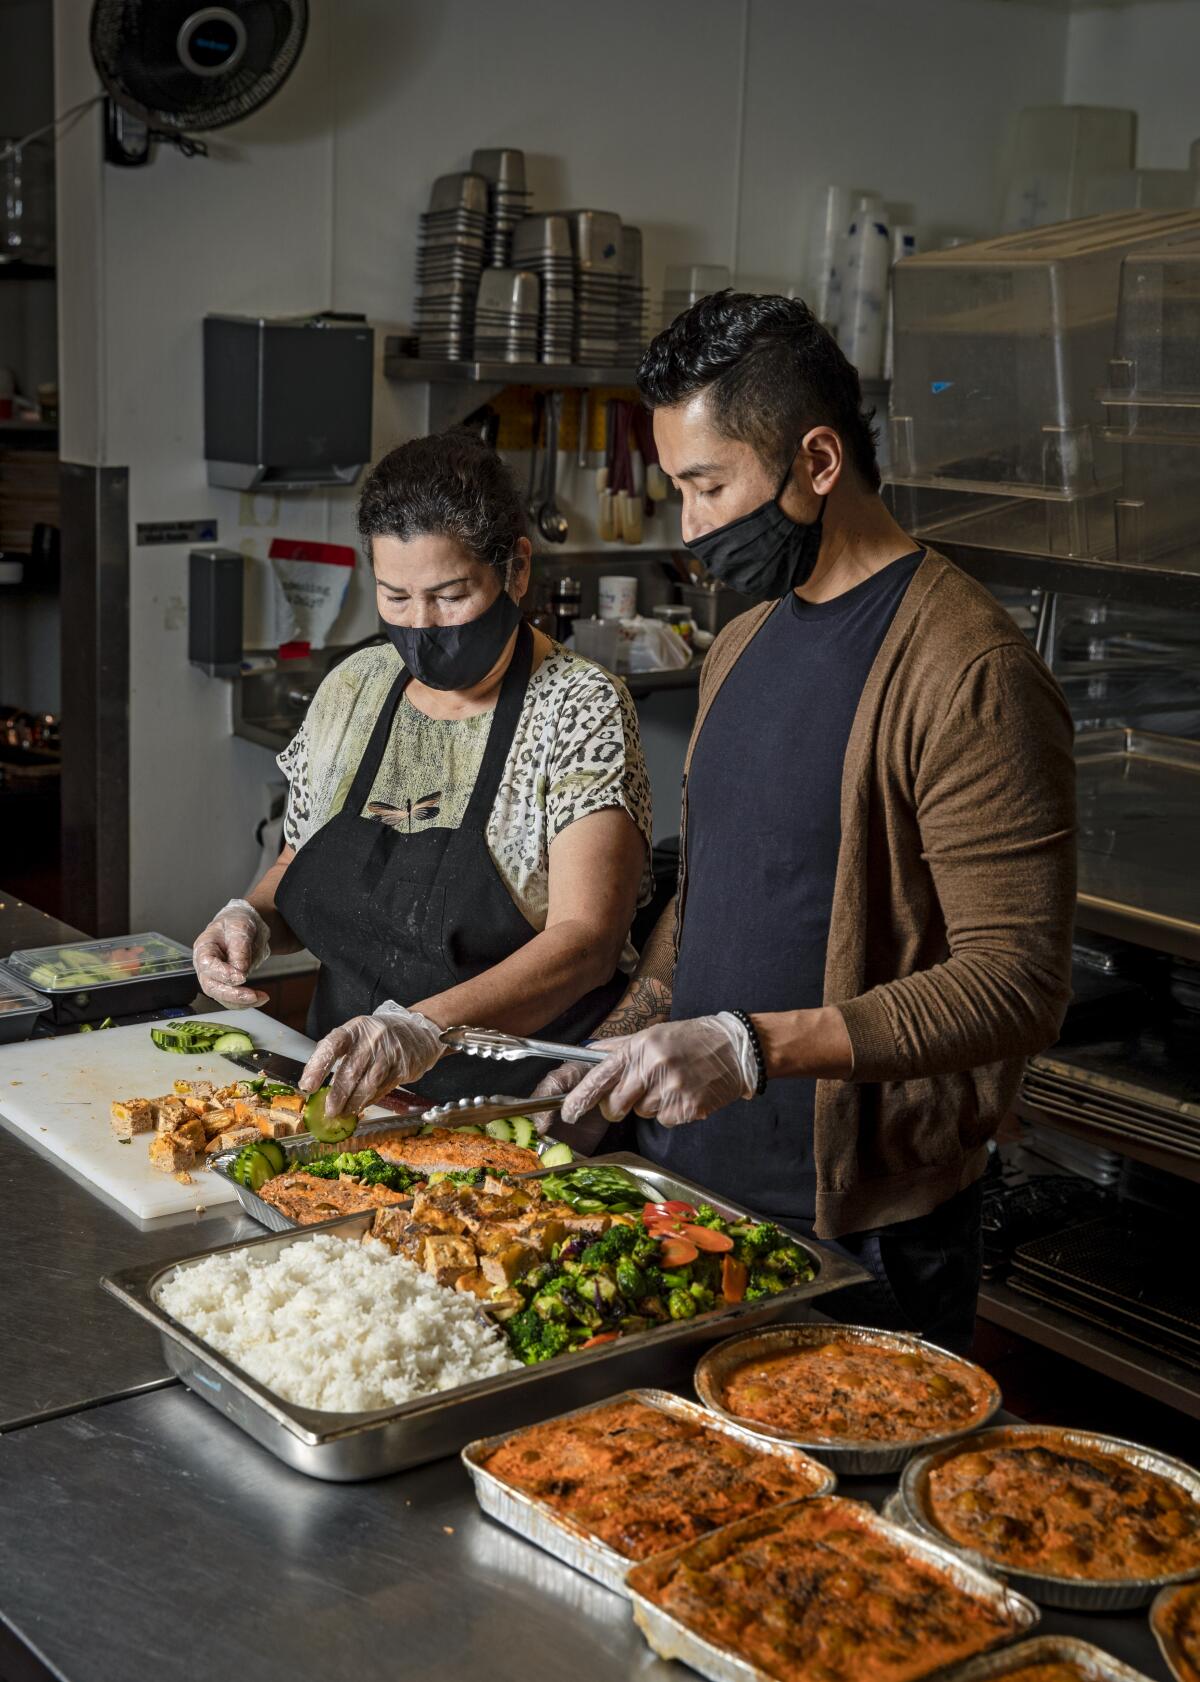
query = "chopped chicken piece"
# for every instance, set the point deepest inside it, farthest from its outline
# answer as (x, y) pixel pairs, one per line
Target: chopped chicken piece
(272, 1124)
(231, 1139)
(168, 1113)
(169, 1152)
(191, 1129)
(196, 1088)
(475, 1283)
(292, 1102)
(218, 1121)
(589, 1225)
(130, 1116)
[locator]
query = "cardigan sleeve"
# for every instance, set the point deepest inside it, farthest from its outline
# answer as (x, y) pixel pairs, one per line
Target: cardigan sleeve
(995, 796)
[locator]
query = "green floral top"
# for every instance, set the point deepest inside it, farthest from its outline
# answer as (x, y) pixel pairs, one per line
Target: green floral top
(576, 750)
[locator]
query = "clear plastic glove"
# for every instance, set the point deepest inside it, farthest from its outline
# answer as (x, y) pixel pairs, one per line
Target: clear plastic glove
(373, 1054)
(676, 1072)
(227, 951)
(587, 1131)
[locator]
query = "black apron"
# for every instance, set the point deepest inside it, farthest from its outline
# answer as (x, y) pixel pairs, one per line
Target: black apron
(399, 916)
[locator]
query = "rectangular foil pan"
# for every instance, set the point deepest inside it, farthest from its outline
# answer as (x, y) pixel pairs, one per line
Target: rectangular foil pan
(569, 1541)
(344, 1447)
(1091, 1662)
(672, 1639)
(1162, 1623)
(304, 1148)
(1077, 1594)
(854, 1459)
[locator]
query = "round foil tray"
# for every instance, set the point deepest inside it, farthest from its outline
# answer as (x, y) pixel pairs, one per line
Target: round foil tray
(1090, 1662)
(1161, 1622)
(854, 1459)
(1080, 1594)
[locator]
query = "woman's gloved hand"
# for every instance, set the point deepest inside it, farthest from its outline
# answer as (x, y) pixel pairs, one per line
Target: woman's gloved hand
(227, 951)
(587, 1131)
(675, 1072)
(373, 1054)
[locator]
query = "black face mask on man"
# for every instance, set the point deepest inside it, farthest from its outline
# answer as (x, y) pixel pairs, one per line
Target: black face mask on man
(764, 553)
(456, 656)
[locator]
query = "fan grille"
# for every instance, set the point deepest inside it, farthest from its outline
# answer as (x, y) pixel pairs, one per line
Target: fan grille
(134, 49)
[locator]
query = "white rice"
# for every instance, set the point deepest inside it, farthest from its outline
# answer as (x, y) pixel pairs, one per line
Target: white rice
(331, 1324)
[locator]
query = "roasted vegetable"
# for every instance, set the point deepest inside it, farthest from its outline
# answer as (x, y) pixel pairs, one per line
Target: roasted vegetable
(533, 1339)
(368, 1167)
(681, 1305)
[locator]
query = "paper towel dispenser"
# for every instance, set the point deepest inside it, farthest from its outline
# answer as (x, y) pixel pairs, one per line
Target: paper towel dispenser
(287, 401)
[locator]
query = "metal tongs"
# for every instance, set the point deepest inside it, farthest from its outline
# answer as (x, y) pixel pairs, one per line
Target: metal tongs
(512, 1048)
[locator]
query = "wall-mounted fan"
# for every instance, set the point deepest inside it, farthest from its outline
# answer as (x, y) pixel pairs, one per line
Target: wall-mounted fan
(176, 68)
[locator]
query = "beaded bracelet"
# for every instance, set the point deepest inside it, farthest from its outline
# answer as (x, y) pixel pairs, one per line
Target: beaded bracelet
(760, 1061)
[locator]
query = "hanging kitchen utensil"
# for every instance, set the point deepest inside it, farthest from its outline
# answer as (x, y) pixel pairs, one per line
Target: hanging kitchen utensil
(531, 501)
(582, 458)
(551, 523)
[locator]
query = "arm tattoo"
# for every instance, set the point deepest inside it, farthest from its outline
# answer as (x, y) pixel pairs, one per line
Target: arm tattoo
(644, 1002)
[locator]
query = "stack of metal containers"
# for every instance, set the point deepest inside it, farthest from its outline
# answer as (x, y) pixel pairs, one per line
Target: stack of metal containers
(506, 316)
(596, 245)
(541, 245)
(631, 299)
(449, 263)
(503, 168)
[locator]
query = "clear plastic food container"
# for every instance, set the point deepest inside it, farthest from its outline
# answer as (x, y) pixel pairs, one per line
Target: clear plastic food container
(120, 976)
(20, 1008)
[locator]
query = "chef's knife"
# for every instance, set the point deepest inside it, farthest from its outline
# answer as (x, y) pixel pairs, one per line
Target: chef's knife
(286, 1069)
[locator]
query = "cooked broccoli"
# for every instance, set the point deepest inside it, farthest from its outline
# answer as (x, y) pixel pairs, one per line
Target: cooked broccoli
(681, 1305)
(533, 1339)
(368, 1167)
(787, 1259)
(608, 1249)
(706, 1215)
(764, 1283)
(645, 1249)
(751, 1242)
(701, 1296)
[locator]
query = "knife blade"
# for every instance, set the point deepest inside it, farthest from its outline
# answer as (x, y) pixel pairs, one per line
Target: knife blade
(288, 1070)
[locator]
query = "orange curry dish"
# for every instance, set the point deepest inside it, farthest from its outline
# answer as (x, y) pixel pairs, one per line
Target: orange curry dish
(643, 1480)
(1180, 1623)
(1065, 1511)
(859, 1392)
(814, 1593)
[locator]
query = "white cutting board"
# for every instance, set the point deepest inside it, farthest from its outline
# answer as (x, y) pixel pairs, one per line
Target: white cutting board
(57, 1092)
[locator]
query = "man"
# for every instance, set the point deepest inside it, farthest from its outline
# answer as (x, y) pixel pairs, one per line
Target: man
(872, 928)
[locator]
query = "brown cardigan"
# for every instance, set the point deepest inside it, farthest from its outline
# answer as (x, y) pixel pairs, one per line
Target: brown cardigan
(950, 935)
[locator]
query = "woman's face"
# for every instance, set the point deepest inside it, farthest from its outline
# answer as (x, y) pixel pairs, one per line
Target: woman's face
(431, 580)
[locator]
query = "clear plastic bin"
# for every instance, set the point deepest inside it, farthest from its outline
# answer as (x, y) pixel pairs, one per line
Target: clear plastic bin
(1154, 378)
(1002, 350)
(20, 1008)
(121, 976)
(1140, 189)
(1056, 149)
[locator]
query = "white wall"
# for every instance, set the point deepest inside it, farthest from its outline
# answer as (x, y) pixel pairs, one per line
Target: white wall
(1143, 57)
(708, 122)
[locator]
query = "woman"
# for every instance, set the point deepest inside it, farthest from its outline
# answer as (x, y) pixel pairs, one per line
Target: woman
(468, 825)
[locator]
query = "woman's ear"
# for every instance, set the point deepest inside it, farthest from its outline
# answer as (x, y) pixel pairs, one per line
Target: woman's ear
(522, 566)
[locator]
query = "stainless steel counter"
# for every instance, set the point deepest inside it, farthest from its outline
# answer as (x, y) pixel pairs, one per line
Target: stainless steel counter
(64, 1344)
(150, 1537)
(23, 925)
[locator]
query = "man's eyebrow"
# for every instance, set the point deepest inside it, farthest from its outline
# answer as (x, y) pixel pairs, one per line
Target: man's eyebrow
(428, 589)
(699, 470)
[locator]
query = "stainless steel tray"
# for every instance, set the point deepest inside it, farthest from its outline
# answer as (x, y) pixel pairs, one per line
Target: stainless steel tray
(1161, 1612)
(1075, 1593)
(1091, 1662)
(855, 1459)
(304, 1148)
(571, 1542)
(672, 1639)
(343, 1447)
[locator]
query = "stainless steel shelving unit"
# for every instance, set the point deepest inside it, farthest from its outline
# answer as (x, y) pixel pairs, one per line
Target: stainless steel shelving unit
(1174, 584)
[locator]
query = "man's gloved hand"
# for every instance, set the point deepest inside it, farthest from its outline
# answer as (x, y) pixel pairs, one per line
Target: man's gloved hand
(373, 1054)
(563, 1079)
(676, 1072)
(234, 943)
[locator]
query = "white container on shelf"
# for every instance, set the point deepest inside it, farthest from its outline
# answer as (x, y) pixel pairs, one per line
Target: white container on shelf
(1056, 148)
(864, 300)
(616, 597)
(826, 249)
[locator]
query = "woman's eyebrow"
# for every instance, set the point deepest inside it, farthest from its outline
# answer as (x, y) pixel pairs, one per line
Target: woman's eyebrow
(428, 589)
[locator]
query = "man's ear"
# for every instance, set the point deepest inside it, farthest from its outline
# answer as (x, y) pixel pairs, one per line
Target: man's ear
(825, 458)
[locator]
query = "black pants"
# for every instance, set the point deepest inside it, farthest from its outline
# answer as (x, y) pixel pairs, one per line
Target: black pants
(924, 1274)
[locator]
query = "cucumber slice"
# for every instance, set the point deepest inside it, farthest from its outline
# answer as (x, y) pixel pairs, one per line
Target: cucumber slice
(558, 1156)
(257, 1169)
(274, 1153)
(234, 1039)
(469, 1128)
(524, 1132)
(500, 1130)
(426, 1130)
(323, 1126)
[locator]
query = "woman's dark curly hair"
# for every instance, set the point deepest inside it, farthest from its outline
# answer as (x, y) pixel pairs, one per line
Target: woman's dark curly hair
(448, 485)
(771, 373)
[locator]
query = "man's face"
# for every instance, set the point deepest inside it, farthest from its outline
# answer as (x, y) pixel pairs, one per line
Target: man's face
(721, 478)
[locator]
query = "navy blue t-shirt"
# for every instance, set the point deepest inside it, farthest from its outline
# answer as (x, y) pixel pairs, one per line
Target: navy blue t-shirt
(764, 827)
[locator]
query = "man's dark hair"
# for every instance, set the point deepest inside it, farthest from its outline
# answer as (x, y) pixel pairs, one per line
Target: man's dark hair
(448, 485)
(771, 372)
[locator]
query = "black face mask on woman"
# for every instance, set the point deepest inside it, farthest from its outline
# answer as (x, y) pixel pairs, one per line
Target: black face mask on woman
(456, 656)
(764, 553)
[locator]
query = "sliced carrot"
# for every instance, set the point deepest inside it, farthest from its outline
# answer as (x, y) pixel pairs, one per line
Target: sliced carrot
(704, 1238)
(678, 1252)
(601, 1337)
(653, 1209)
(735, 1276)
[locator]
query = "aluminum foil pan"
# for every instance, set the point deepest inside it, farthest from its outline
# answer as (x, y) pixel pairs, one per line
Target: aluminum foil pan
(1162, 1619)
(1091, 1662)
(853, 1459)
(304, 1148)
(1074, 1593)
(569, 1541)
(672, 1639)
